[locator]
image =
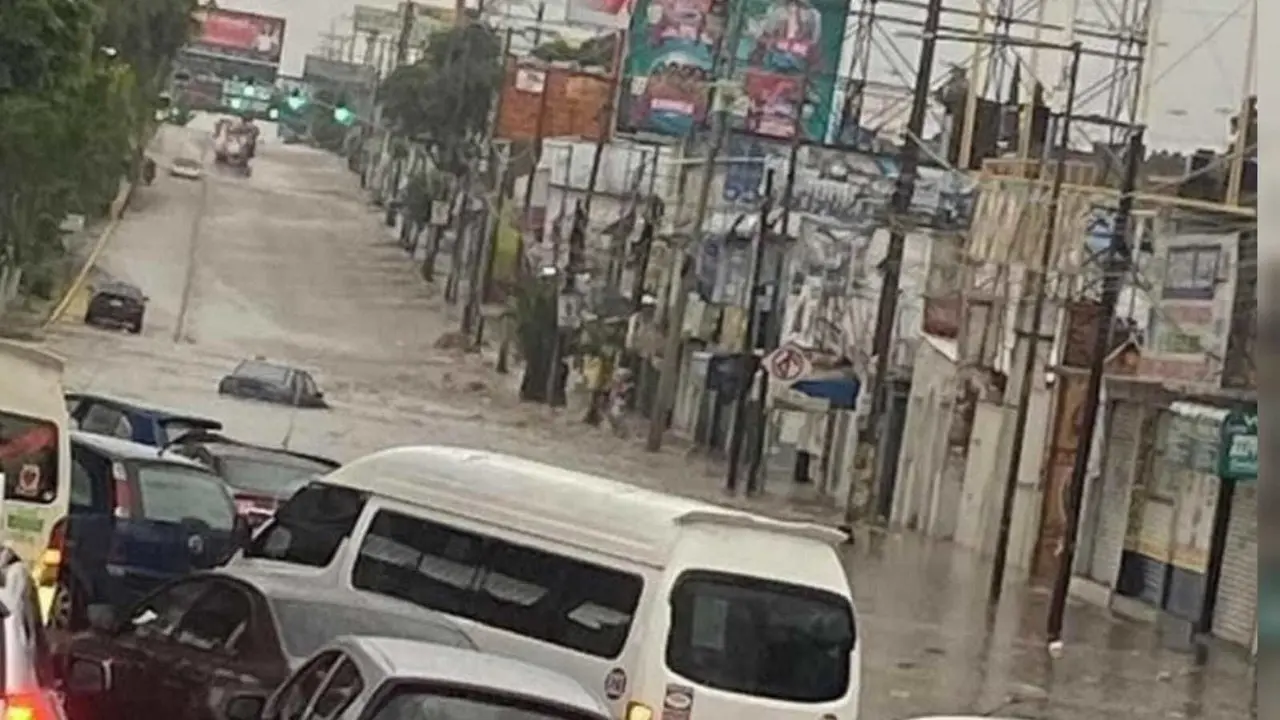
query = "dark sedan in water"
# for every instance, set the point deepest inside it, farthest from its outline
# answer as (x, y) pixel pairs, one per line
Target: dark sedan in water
(118, 305)
(258, 379)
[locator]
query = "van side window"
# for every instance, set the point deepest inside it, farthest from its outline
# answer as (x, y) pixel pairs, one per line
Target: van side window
(564, 601)
(310, 526)
(428, 564)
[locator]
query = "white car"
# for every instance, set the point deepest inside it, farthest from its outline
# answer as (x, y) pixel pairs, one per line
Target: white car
(186, 168)
(376, 678)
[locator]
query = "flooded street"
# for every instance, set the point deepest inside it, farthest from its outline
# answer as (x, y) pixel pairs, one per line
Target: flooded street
(295, 265)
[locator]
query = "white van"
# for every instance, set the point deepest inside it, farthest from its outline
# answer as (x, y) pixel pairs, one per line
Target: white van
(35, 459)
(663, 605)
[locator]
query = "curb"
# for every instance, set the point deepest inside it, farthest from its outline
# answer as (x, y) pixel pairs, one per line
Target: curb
(117, 212)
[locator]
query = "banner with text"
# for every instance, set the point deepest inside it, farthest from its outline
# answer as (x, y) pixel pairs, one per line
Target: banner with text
(238, 35)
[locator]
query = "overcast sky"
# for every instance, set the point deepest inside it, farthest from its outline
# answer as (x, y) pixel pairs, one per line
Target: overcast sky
(1198, 68)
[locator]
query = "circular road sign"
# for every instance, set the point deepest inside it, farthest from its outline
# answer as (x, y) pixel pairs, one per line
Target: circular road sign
(787, 363)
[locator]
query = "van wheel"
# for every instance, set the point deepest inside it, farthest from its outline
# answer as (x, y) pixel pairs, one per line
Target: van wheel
(66, 611)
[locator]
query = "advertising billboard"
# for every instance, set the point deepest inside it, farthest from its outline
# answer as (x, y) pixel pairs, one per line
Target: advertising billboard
(787, 58)
(242, 36)
(612, 14)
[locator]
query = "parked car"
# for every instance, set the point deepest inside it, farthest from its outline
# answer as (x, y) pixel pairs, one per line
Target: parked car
(27, 669)
(395, 679)
(181, 651)
(258, 379)
(130, 421)
(135, 521)
(260, 477)
(118, 305)
(186, 168)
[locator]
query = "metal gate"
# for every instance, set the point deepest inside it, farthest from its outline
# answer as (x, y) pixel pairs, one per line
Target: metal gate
(1236, 606)
(1115, 486)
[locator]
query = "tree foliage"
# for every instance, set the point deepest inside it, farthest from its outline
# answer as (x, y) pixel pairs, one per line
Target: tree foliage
(597, 52)
(444, 99)
(78, 84)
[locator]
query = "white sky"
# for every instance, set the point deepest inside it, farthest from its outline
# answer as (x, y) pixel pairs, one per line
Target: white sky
(1198, 68)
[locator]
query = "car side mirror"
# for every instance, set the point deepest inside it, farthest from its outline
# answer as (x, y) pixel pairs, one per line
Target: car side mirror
(102, 618)
(245, 706)
(87, 677)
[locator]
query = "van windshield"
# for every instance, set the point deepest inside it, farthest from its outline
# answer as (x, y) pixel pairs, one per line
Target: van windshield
(760, 637)
(28, 458)
(310, 527)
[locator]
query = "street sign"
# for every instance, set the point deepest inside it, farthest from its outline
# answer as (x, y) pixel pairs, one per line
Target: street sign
(787, 363)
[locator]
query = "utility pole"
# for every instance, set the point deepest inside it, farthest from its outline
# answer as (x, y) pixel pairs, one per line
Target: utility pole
(408, 14)
(773, 331)
(900, 206)
(582, 215)
(728, 57)
(1117, 264)
(481, 249)
(747, 360)
(1040, 279)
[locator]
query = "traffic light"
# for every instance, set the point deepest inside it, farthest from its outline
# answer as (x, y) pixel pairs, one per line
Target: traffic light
(296, 100)
(343, 115)
(248, 90)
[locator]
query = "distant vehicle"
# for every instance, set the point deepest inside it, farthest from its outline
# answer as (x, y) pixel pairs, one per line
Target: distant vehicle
(630, 592)
(186, 168)
(27, 672)
(270, 382)
(35, 457)
(260, 477)
(136, 521)
(180, 652)
(395, 679)
(235, 143)
(117, 304)
(127, 420)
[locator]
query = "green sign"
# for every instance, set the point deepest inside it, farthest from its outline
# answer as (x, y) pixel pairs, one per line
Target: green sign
(1238, 457)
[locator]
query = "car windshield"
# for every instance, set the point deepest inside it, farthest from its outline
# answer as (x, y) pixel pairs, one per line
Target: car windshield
(177, 494)
(262, 371)
(760, 637)
(186, 163)
(305, 626)
(276, 476)
(419, 702)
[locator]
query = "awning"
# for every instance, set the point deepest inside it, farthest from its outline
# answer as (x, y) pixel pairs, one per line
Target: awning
(842, 393)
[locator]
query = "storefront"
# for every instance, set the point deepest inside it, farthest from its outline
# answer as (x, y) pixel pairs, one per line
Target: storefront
(1235, 608)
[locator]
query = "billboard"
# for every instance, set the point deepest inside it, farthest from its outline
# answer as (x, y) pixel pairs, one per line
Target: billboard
(238, 35)
(612, 14)
(787, 58)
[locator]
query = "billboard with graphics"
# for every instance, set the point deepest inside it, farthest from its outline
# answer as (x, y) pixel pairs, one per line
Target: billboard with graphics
(787, 58)
(242, 36)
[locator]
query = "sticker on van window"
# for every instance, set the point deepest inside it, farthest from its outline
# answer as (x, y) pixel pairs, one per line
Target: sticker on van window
(28, 485)
(678, 703)
(615, 683)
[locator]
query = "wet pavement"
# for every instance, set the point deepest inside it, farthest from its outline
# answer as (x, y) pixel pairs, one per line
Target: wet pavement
(293, 263)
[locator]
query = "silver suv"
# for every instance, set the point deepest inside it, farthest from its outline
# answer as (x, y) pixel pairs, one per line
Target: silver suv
(27, 663)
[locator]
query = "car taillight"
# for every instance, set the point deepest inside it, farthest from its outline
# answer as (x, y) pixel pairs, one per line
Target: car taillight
(30, 706)
(124, 491)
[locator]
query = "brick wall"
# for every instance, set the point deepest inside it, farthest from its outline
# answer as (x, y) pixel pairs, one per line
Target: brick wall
(575, 103)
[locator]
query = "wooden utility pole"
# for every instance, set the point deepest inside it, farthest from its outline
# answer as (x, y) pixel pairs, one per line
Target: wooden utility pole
(407, 16)
(1040, 277)
(1114, 269)
(900, 207)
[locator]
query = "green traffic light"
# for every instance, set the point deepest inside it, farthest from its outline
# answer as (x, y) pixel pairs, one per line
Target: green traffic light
(273, 114)
(236, 103)
(248, 91)
(343, 116)
(295, 102)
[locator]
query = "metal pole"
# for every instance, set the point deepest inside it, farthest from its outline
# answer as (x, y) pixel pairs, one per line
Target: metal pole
(728, 55)
(1117, 264)
(773, 330)
(748, 361)
(1030, 363)
(900, 205)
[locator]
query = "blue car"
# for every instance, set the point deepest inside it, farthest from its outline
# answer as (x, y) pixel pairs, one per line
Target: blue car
(129, 421)
(136, 520)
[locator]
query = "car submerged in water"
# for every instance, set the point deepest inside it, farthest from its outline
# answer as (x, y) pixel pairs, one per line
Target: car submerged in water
(258, 379)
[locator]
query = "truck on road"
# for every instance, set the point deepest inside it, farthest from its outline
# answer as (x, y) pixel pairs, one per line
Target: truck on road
(234, 143)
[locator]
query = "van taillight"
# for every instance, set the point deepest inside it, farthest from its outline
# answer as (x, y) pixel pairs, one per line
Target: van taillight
(29, 706)
(123, 491)
(51, 558)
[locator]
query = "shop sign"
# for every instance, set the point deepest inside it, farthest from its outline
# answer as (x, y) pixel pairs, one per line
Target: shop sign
(1238, 454)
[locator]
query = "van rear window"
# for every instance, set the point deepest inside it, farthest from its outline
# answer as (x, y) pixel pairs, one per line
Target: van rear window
(28, 458)
(565, 601)
(760, 637)
(310, 527)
